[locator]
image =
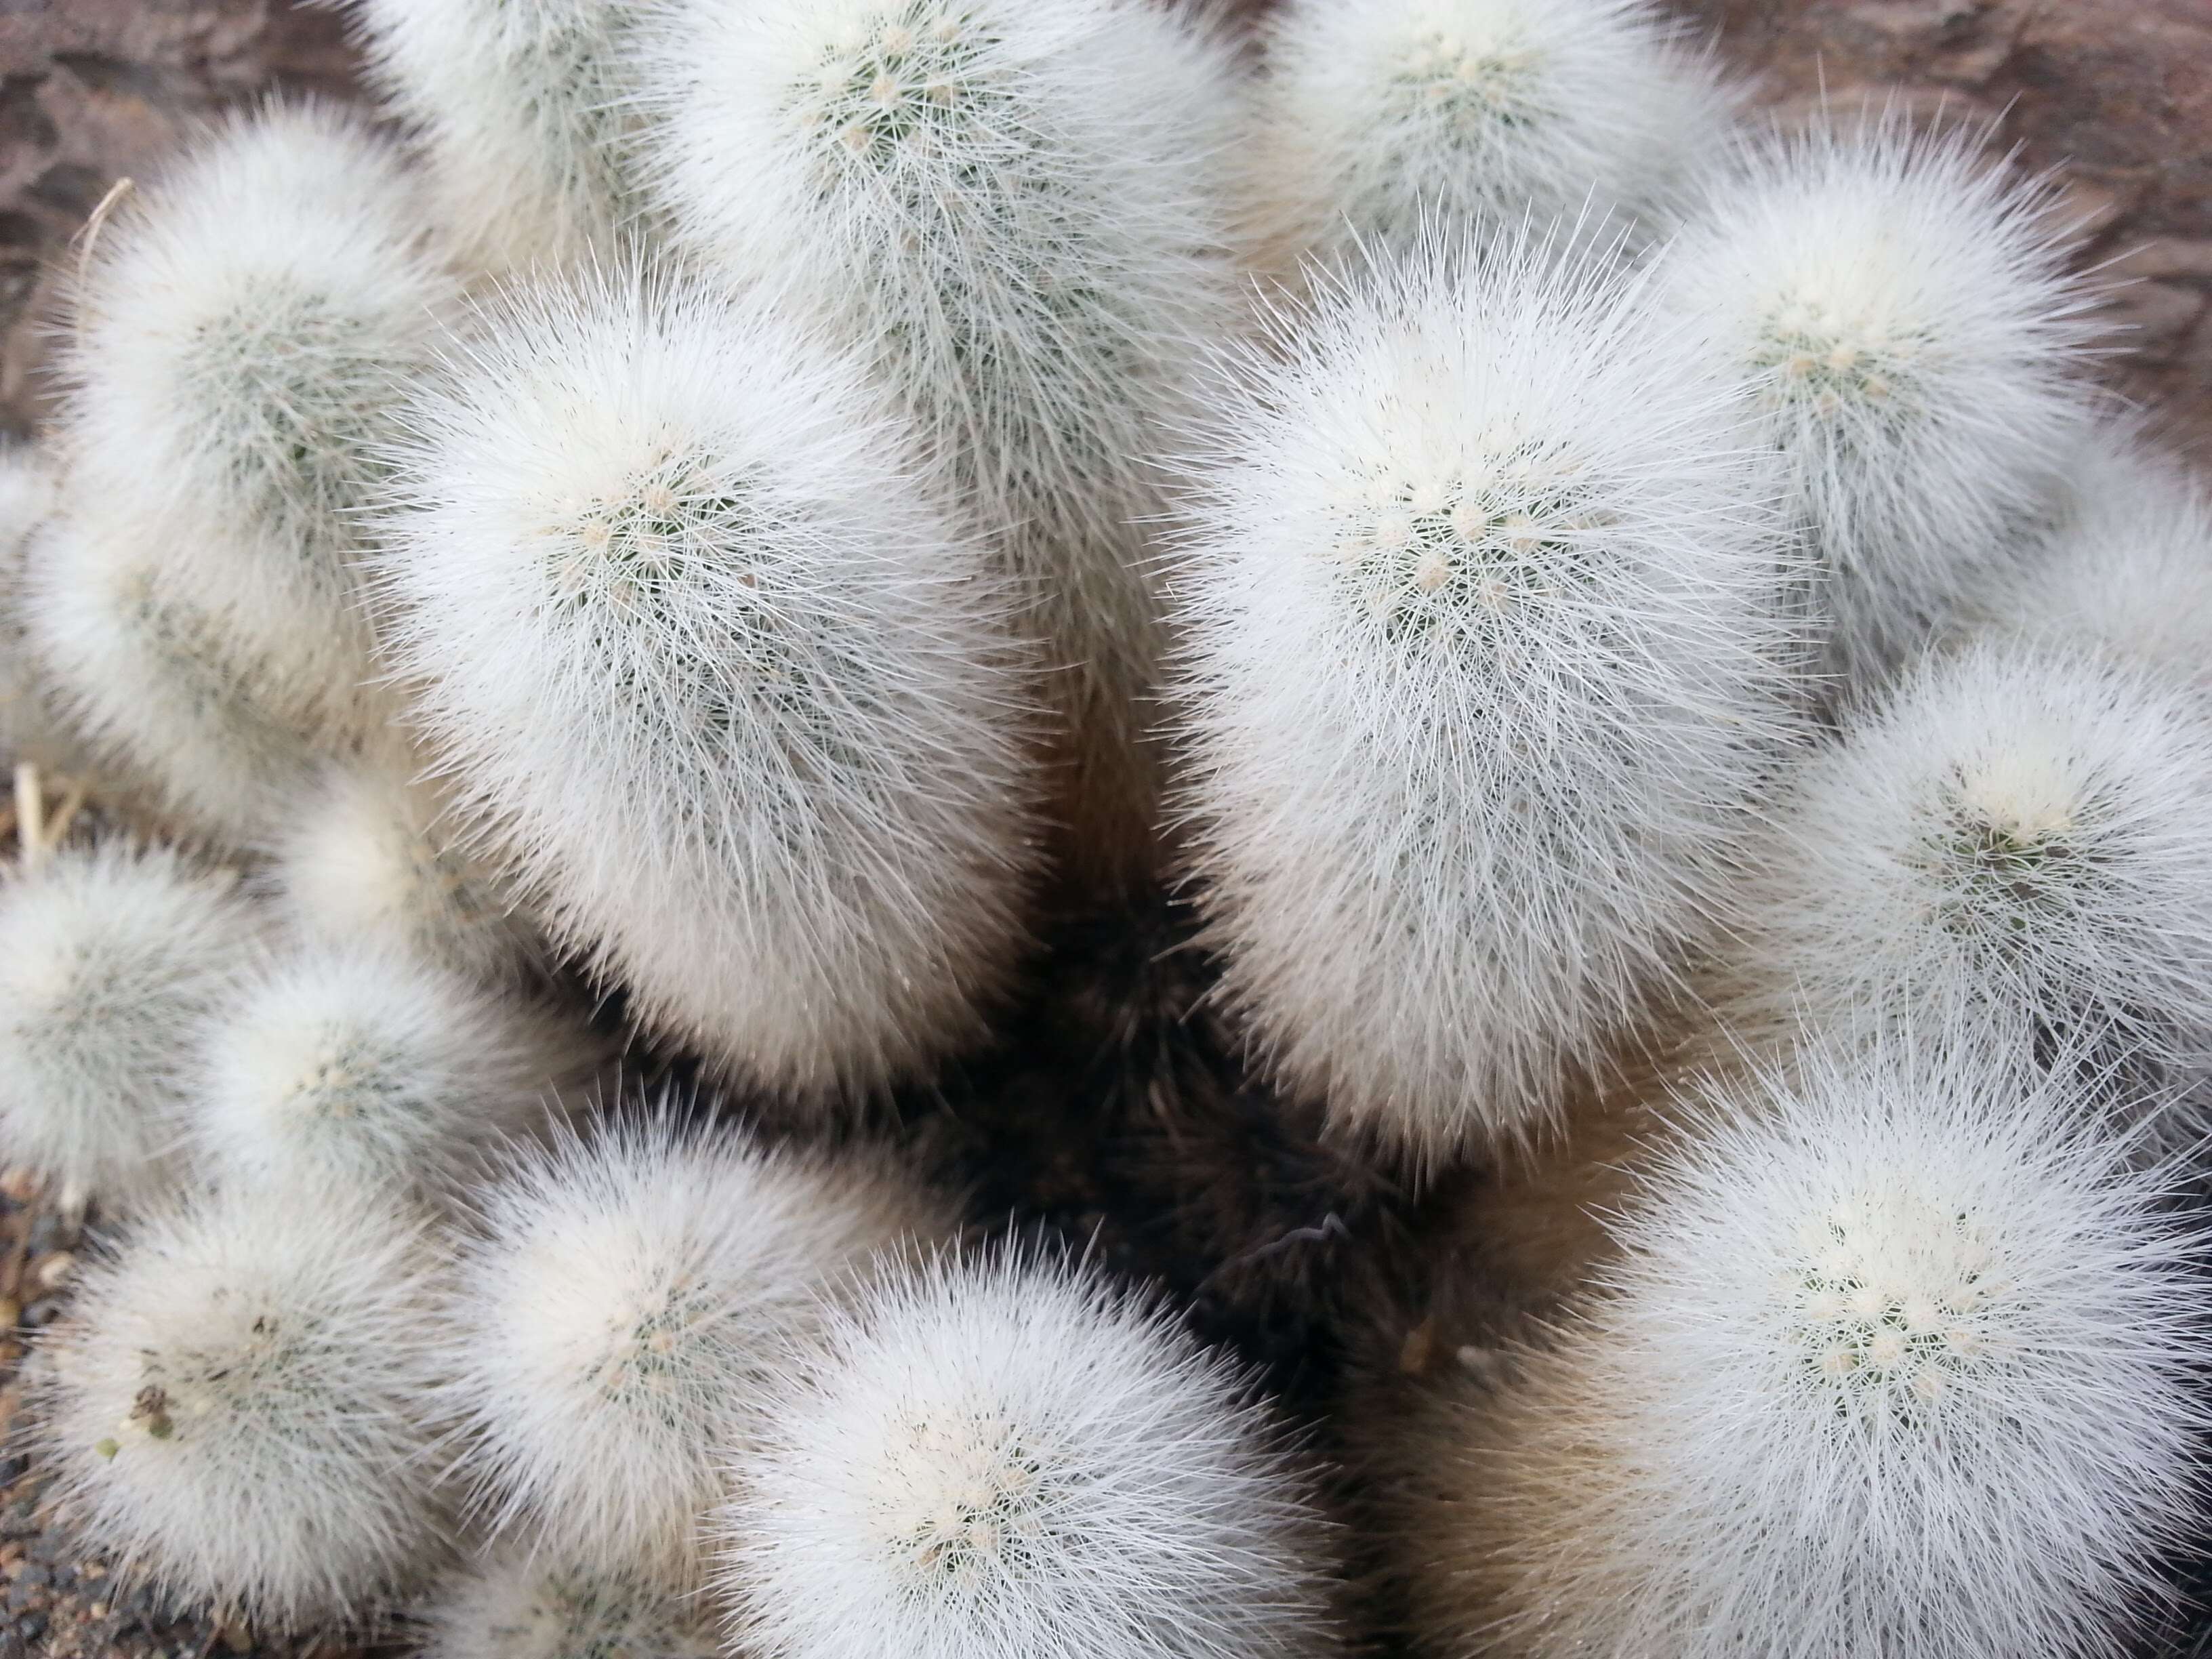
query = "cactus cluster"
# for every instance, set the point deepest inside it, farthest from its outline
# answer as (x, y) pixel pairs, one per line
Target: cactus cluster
(585, 662)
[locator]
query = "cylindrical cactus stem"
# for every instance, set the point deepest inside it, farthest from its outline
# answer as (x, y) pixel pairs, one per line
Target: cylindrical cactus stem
(1898, 1356)
(1488, 659)
(1010, 206)
(527, 117)
(1902, 305)
(115, 957)
(708, 663)
(2017, 844)
(617, 1312)
(944, 1478)
(232, 1407)
(1377, 121)
(242, 332)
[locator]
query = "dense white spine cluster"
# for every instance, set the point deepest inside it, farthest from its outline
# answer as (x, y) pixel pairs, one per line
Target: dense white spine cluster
(1487, 656)
(1010, 207)
(2016, 846)
(1901, 305)
(27, 502)
(233, 1408)
(240, 339)
(709, 660)
(526, 111)
(1378, 119)
(617, 1314)
(1010, 1460)
(367, 853)
(1899, 1358)
(114, 957)
(353, 1066)
(514, 1605)
(183, 687)
(2126, 566)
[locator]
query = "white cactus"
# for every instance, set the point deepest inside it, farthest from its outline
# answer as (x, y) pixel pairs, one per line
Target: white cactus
(179, 687)
(525, 111)
(115, 957)
(368, 852)
(513, 1605)
(711, 665)
(1010, 1460)
(355, 1066)
(2017, 845)
(1010, 204)
(241, 336)
(1377, 119)
(232, 1407)
(27, 728)
(2126, 566)
(1487, 659)
(1899, 1358)
(615, 1318)
(1902, 306)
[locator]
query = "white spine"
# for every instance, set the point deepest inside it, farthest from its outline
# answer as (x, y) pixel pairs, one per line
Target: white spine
(241, 335)
(180, 687)
(525, 112)
(2126, 565)
(353, 1067)
(1899, 1359)
(1010, 1460)
(233, 1408)
(1487, 660)
(614, 1319)
(1010, 207)
(1902, 307)
(115, 958)
(2017, 845)
(369, 852)
(514, 1605)
(711, 664)
(1376, 120)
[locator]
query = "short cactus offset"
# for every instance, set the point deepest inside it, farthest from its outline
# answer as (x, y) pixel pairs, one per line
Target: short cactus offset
(1902, 306)
(616, 1319)
(709, 662)
(2017, 845)
(115, 957)
(514, 1605)
(1899, 1358)
(232, 1406)
(2126, 565)
(1010, 205)
(952, 1477)
(368, 852)
(178, 688)
(1378, 119)
(1487, 660)
(352, 1067)
(526, 115)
